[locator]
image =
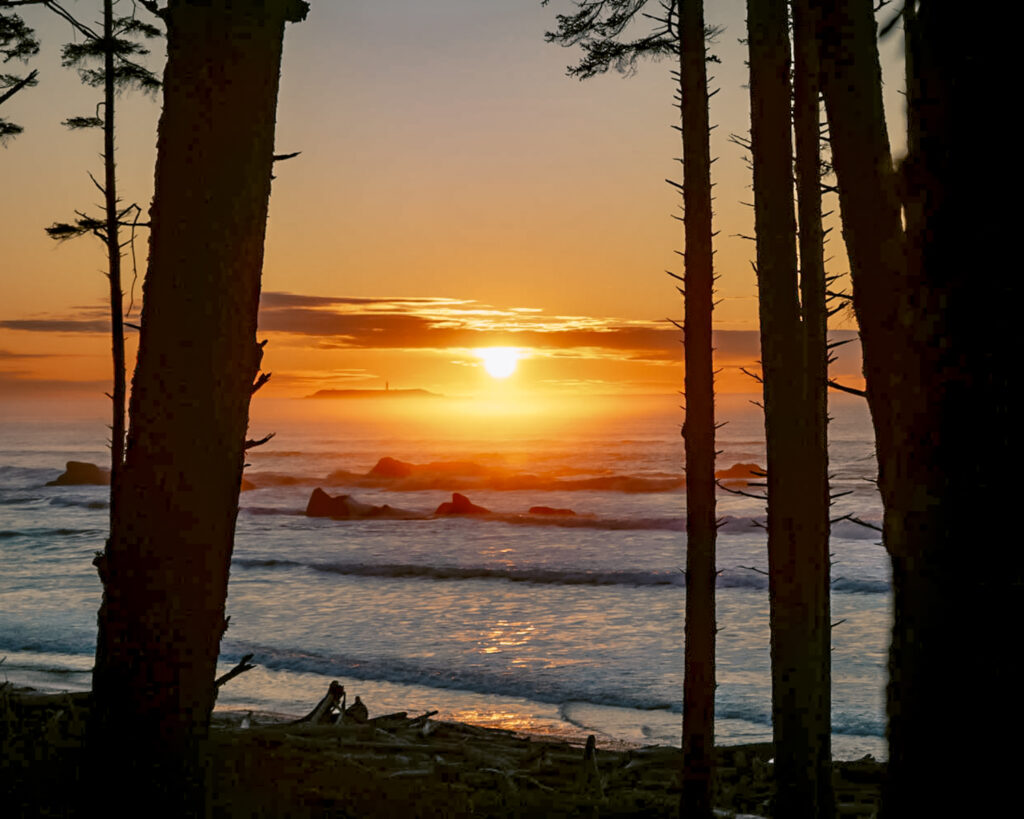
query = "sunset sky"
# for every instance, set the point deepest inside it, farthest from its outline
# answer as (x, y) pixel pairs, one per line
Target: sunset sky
(456, 191)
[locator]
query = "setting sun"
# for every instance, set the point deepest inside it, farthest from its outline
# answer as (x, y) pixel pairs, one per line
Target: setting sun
(500, 362)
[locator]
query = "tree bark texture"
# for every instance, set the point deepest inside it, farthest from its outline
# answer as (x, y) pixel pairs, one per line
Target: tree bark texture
(796, 542)
(165, 568)
(699, 429)
(936, 312)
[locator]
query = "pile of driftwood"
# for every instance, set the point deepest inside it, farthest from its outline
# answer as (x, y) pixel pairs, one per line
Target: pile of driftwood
(337, 761)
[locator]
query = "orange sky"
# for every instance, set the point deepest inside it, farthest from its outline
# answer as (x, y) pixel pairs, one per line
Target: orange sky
(455, 191)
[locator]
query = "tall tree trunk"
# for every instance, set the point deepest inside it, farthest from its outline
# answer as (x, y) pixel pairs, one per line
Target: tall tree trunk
(815, 513)
(794, 539)
(699, 430)
(165, 568)
(113, 239)
(935, 379)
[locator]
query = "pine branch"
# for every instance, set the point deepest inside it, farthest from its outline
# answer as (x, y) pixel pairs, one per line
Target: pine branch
(22, 83)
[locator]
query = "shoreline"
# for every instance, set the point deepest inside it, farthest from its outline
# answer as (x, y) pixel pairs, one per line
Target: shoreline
(569, 722)
(279, 692)
(409, 765)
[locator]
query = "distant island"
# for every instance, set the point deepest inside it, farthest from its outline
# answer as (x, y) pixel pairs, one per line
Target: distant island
(385, 393)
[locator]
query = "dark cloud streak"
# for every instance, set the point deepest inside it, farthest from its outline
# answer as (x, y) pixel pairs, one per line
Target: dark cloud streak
(58, 325)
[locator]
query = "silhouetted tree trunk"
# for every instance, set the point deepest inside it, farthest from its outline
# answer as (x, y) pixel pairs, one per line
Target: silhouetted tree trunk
(815, 564)
(796, 541)
(680, 32)
(113, 240)
(165, 568)
(699, 430)
(935, 308)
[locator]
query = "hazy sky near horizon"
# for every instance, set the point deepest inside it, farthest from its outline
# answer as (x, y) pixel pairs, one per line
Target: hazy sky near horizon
(455, 190)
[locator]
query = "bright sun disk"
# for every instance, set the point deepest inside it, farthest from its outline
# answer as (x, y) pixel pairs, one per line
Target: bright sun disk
(500, 362)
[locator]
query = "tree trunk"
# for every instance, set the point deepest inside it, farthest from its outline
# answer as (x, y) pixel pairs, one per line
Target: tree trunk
(815, 512)
(165, 568)
(113, 240)
(795, 539)
(699, 429)
(935, 380)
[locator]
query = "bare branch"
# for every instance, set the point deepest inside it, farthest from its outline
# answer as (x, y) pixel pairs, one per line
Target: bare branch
(755, 376)
(843, 388)
(733, 491)
(251, 444)
(242, 666)
(263, 379)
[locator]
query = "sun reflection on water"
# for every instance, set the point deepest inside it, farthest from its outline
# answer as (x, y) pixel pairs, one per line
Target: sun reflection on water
(505, 635)
(495, 718)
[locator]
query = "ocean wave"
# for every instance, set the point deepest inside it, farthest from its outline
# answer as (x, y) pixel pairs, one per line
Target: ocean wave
(27, 474)
(264, 480)
(853, 585)
(844, 723)
(446, 482)
(741, 578)
(562, 577)
(272, 510)
(80, 502)
(673, 524)
(553, 689)
(747, 711)
(7, 534)
(858, 725)
(580, 521)
(733, 578)
(15, 500)
(851, 530)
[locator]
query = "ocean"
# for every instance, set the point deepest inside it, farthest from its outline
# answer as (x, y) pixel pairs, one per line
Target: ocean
(558, 624)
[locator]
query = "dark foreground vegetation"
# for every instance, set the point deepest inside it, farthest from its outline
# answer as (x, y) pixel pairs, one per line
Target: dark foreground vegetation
(395, 765)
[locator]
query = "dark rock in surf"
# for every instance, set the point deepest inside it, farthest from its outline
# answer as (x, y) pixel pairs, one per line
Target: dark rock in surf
(391, 468)
(78, 473)
(548, 510)
(460, 505)
(741, 471)
(322, 505)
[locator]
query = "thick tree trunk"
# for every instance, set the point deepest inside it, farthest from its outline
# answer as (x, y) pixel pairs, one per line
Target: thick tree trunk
(935, 308)
(699, 430)
(165, 569)
(795, 538)
(815, 513)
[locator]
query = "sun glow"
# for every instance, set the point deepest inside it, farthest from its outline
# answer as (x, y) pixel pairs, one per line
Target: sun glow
(500, 362)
